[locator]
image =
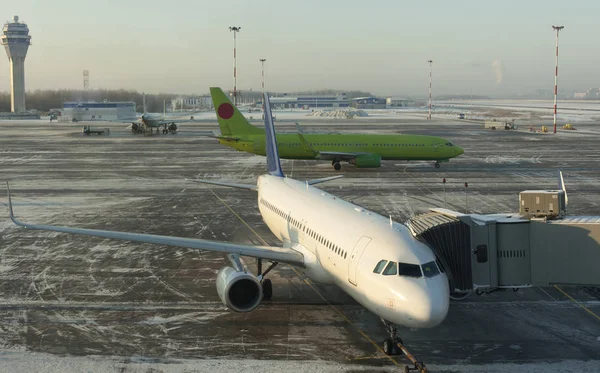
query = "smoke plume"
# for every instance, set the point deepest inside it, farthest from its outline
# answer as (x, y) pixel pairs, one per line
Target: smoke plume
(498, 67)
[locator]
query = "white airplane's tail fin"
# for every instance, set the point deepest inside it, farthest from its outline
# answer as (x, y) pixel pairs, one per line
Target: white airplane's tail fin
(561, 186)
(273, 163)
(144, 103)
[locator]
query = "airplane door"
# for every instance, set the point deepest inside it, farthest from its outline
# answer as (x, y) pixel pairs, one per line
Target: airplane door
(359, 248)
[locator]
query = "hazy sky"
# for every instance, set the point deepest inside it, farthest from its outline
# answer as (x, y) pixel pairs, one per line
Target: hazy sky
(478, 47)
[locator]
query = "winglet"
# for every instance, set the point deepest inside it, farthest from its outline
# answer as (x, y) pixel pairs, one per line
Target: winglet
(273, 163)
(561, 186)
(10, 209)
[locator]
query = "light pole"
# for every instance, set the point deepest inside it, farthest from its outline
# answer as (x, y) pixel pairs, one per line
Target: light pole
(235, 30)
(557, 29)
(262, 68)
(430, 62)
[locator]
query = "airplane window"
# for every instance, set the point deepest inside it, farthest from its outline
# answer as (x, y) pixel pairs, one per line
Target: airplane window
(391, 269)
(379, 266)
(410, 270)
(345, 255)
(430, 269)
(439, 265)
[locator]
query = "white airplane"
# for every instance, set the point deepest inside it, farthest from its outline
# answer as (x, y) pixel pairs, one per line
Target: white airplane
(375, 260)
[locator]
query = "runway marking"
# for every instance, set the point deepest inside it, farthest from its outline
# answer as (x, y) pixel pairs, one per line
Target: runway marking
(307, 282)
(577, 303)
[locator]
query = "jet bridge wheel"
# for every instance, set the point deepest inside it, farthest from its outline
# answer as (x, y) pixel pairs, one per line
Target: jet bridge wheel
(337, 166)
(267, 287)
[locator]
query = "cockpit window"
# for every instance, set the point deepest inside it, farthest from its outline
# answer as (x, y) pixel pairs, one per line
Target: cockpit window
(449, 144)
(410, 270)
(440, 266)
(379, 266)
(391, 269)
(430, 269)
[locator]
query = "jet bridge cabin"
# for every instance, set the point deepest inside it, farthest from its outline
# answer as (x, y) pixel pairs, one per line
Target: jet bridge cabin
(485, 252)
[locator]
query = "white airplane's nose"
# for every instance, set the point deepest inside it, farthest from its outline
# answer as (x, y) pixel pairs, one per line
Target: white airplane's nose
(433, 306)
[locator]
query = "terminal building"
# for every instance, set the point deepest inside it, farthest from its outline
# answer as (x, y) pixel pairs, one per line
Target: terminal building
(310, 102)
(191, 103)
(368, 103)
(86, 111)
(399, 102)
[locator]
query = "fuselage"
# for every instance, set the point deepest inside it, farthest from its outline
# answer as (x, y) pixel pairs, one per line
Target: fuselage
(392, 147)
(152, 121)
(343, 244)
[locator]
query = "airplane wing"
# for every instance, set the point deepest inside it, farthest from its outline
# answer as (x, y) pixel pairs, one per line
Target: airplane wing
(254, 187)
(163, 122)
(325, 155)
(318, 181)
(228, 138)
(278, 254)
(223, 183)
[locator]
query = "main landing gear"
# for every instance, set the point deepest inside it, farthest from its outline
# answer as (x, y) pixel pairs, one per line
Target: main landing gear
(336, 165)
(171, 128)
(390, 345)
(267, 285)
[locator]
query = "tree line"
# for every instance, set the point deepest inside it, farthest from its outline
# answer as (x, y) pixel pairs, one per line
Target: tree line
(45, 100)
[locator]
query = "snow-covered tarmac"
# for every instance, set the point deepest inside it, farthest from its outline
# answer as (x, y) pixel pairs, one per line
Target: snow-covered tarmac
(72, 304)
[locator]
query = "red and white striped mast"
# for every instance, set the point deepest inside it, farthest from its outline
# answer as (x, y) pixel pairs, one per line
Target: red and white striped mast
(235, 30)
(430, 62)
(557, 29)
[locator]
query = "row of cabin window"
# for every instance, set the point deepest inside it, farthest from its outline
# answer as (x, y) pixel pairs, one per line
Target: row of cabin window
(344, 144)
(330, 245)
(338, 250)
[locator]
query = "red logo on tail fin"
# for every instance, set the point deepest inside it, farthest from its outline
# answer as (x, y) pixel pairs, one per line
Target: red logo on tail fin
(225, 110)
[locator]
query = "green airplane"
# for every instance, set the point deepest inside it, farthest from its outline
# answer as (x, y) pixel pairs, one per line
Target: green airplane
(360, 150)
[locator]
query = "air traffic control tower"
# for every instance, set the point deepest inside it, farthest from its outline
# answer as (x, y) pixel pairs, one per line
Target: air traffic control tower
(16, 40)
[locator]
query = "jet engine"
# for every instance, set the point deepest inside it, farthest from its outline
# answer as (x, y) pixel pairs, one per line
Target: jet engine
(367, 161)
(240, 291)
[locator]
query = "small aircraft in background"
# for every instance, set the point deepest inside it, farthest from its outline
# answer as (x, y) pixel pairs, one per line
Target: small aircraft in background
(148, 123)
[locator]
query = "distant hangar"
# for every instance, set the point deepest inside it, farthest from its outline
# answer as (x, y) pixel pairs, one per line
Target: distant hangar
(86, 111)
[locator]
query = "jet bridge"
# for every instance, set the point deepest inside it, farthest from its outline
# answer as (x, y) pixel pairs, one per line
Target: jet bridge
(486, 252)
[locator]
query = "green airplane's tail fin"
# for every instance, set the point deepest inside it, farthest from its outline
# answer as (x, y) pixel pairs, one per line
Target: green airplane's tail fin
(231, 121)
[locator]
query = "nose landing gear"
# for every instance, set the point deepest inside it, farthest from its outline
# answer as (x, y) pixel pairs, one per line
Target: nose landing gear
(390, 345)
(394, 346)
(437, 164)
